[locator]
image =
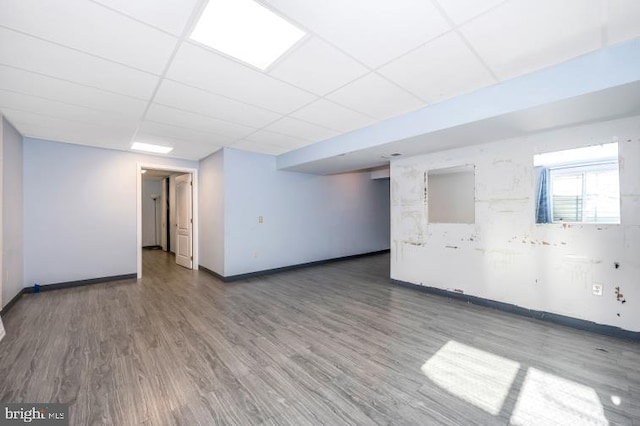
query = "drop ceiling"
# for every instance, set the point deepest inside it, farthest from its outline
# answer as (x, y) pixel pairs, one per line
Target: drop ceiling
(107, 72)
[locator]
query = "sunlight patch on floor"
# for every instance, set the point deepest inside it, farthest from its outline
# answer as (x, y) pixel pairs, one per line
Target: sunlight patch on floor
(548, 399)
(478, 377)
(484, 380)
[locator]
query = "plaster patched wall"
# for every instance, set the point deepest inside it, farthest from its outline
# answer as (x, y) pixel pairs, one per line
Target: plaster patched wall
(504, 255)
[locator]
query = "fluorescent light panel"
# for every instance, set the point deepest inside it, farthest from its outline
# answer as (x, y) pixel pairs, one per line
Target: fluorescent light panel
(245, 30)
(147, 147)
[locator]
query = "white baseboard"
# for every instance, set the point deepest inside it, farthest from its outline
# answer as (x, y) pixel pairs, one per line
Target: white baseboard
(2, 332)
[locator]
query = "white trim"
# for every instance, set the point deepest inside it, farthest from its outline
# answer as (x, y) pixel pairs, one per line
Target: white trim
(1, 209)
(194, 176)
(581, 167)
(164, 219)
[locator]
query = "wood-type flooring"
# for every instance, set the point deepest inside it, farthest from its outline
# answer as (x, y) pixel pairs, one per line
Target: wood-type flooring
(331, 344)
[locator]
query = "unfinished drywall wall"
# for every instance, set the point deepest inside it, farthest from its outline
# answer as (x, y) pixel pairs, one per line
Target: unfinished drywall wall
(12, 212)
(505, 256)
(275, 218)
(80, 211)
(451, 195)
(211, 215)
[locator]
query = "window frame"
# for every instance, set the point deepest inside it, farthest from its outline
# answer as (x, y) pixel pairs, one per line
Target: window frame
(608, 164)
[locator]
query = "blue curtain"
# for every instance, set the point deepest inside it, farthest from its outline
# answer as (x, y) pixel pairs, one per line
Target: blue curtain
(543, 206)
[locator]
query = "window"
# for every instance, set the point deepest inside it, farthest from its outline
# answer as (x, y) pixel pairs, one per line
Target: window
(579, 186)
(586, 194)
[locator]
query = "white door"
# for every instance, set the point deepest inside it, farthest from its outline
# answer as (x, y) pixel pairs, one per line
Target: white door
(184, 221)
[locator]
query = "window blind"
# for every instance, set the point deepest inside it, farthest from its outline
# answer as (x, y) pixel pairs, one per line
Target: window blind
(586, 194)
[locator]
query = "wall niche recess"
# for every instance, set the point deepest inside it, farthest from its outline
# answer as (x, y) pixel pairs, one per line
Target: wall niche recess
(451, 195)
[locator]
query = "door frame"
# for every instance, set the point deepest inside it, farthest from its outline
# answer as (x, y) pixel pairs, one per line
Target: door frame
(2, 209)
(164, 217)
(194, 201)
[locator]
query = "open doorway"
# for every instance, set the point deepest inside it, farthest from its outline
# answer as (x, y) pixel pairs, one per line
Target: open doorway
(167, 213)
(155, 209)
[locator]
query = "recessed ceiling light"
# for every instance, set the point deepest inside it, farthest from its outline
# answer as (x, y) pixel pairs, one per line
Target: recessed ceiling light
(147, 147)
(245, 30)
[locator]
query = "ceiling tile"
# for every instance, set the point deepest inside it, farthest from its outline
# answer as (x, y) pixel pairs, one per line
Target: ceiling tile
(623, 21)
(463, 10)
(170, 15)
(210, 100)
(300, 129)
(258, 147)
(54, 89)
(37, 105)
(189, 150)
(522, 36)
(375, 96)
(183, 133)
(34, 125)
(91, 28)
(318, 67)
(176, 117)
(205, 69)
(188, 98)
(442, 69)
(21, 51)
(333, 116)
(276, 139)
(373, 31)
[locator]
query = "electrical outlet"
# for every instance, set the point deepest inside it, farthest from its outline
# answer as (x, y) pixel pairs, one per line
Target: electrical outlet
(597, 289)
(260, 219)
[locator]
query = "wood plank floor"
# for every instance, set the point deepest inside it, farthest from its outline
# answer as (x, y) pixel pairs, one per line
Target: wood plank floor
(332, 344)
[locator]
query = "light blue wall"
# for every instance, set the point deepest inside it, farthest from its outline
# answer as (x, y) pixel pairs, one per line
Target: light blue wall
(305, 217)
(80, 211)
(211, 215)
(12, 209)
